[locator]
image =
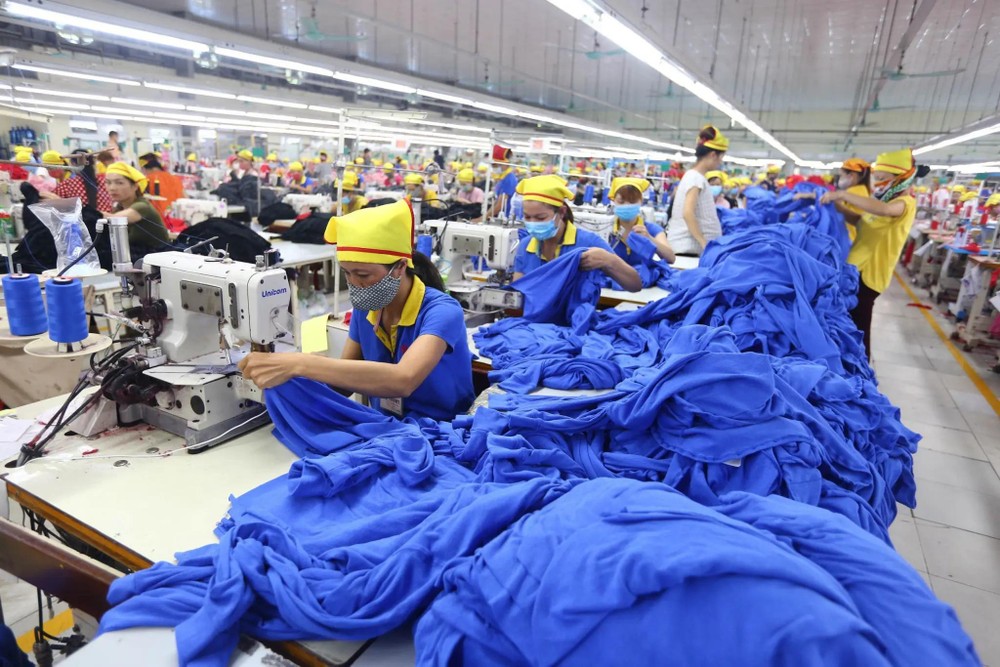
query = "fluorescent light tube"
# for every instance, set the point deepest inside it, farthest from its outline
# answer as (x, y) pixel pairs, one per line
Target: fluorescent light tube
(962, 138)
(55, 104)
(156, 104)
(270, 61)
(59, 93)
(374, 83)
(444, 97)
(74, 75)
(274, 103)
(189, 91)
(313, 107)
(108, 27)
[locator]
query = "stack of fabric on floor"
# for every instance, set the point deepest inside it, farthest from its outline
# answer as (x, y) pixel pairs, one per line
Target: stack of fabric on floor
(722, 498)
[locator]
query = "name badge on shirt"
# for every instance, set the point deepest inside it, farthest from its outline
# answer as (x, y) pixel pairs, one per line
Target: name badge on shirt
(392, 405)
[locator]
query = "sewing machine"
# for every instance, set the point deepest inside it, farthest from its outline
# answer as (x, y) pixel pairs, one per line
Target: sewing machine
(195, 317)
(462, 246)
(302, 203)
(193, 211)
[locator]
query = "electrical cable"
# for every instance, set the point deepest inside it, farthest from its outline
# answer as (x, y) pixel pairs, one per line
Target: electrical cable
(93, 244)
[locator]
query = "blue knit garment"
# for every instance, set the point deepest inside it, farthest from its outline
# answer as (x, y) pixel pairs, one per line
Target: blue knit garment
(738, 465)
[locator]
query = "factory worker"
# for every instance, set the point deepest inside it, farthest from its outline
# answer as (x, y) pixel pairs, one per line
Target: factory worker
(941, 198)
(244, 164)
(297, 181)
(886, 218)
(324, 168)
(407, 348)
(693, 219)
(627, 196)
(506, 183)
(991, 209)
(770, 180)
(854, 178)
(52, 161)
(969, 203)
(715, 180)
(126, 186)
(351, 199)
(468, 193)
(548, 219)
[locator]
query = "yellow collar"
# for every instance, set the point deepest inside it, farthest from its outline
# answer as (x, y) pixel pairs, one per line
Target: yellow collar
(638, 221)
(569, 238)
(406, 319)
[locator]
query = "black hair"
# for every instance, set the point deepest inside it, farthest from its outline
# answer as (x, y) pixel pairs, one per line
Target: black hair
(153, 163)
(707, 134)
(424, 269)
(922, 170)
(629, 193)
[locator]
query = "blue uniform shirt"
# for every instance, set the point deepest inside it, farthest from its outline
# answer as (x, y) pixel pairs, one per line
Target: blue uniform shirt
(529, 255)
(447, 391)
(507, 186)
(621, 248)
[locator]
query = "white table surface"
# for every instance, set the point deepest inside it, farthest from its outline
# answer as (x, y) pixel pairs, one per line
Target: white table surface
(643, 296)
(301, 254)
(155, 505)
(682, 263)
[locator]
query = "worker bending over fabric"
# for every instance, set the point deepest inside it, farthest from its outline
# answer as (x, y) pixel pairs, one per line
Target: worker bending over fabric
(854, 178)
(549, 221)
(407, 348)
(627, 196)
(886, 218)
(693, 218)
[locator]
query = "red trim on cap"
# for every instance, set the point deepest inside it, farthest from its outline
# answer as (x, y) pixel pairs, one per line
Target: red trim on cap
(376, 251)
(544, 196)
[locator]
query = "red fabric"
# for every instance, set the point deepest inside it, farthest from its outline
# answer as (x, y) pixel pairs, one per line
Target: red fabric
(74, 187)
(501, 154)
(16, 173)
(174, 224)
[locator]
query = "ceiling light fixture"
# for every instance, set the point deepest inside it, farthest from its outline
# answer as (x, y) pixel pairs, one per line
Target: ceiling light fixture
(156, 104)
(280, 63)
(444, 97)
(112, 28)
(313, 107)
(188, 91)
(74, 75)
(962, 138)
(60, 93)
(373, 83)
(270, 102)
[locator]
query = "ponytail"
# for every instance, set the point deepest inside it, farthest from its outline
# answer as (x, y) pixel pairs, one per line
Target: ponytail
(708, 133)
(424, 269)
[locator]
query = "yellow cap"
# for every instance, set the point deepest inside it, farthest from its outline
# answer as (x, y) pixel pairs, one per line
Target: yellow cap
(480, 168)
(377, 162)
(773, 169)
(52, 157)
(536, 169)
(359, 160)
(780, 182)
(100, 168)
(897, 162)
(640, 184)
(413, 179)
(23, 153)
(245, 154)
(575, 171)
(958, 188)
(129, 172)
(467, 165)
(466, 176)
(296, 166)
(718, 143)
(548, 189)
(715, 174)
(994, 199)
(192, 157)
(350, 181)
(271, 157)
(379, 235)
(966, 196)
(387, 168)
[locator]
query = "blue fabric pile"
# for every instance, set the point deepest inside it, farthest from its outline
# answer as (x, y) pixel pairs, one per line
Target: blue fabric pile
(720, 496)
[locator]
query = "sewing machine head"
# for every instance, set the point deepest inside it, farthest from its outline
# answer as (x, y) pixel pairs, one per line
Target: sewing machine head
(460, 242)
(197, 315)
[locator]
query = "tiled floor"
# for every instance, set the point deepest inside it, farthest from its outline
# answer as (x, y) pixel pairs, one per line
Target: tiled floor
(953, 535)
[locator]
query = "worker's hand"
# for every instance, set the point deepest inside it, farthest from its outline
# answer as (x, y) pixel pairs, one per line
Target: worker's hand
(595, 259)
(805, 195)
(641, 231)
(830, 197)
(267, 369)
